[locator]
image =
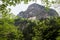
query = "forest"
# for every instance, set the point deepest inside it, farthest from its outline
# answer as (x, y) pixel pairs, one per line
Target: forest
(14, 28)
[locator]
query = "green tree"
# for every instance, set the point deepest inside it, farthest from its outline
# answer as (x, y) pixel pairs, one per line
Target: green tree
(8, 31)
(48, 29)
(36, 30)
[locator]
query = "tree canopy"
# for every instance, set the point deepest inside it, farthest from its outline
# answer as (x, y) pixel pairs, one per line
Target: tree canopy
(36, 30)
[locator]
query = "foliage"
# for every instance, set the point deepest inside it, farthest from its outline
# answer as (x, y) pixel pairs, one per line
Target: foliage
(44, 29)
(48, 29)
(7, 29)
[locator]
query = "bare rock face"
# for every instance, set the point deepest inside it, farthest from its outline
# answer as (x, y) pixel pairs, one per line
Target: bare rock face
(37, 11)
(34, 11)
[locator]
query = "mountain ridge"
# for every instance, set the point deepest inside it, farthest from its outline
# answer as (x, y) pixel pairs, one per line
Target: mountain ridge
(37, 11)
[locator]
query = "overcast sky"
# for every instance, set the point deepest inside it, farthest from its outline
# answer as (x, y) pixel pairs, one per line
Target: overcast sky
(22, 7)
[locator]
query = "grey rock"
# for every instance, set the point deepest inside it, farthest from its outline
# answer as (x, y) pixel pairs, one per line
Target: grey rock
(34, 11)
(38, 11)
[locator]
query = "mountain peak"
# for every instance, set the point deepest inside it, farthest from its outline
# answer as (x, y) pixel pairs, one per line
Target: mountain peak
(37, 11)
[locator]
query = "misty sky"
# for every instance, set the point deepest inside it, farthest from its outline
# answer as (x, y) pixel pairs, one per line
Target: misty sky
(22, 7)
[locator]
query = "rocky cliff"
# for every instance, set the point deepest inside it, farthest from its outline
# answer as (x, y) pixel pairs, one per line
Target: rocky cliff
(36, 11)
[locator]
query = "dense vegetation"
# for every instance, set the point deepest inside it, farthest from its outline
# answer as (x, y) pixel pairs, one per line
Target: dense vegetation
(23, 29)
(44, 29)
(8, 31)
(47, 29)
